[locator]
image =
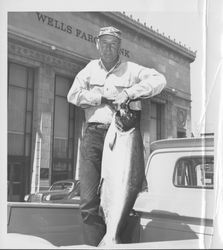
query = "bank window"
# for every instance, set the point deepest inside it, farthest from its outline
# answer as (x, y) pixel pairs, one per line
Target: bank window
(20, 106)
(63, 138)
(194, 172)
(20, 118)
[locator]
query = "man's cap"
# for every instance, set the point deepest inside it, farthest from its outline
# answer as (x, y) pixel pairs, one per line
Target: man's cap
(110, 31)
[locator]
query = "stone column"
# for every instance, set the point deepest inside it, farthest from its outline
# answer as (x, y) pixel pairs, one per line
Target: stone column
(145, 127)
(170, 117)
(188, 123)
(42, 125)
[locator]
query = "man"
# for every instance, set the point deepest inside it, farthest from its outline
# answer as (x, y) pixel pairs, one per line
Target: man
(101, 88)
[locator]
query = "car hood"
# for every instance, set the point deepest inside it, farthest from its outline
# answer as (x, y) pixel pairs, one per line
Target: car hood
(53, 192)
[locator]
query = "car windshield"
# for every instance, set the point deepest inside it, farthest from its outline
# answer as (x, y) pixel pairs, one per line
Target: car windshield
(61, 186)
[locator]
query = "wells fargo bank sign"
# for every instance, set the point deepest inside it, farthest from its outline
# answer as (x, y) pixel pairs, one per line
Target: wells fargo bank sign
(78, 33)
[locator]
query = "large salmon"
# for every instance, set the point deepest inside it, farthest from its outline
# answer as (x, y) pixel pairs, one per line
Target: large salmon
(122, 177)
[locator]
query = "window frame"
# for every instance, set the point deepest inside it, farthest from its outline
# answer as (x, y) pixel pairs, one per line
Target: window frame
(193, 157)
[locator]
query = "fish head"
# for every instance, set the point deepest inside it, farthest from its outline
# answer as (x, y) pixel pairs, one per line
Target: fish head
(126, 118)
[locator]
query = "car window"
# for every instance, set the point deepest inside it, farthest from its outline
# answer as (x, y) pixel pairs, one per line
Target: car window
(194, 172)
(62, 186)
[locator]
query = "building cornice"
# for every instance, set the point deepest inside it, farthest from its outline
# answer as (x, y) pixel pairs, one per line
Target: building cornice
(43, 52)
(152, 34)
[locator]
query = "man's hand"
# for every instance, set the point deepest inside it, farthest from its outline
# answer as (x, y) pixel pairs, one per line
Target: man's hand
(120, 99)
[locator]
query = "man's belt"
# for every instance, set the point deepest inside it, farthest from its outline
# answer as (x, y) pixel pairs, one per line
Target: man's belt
(98, 125)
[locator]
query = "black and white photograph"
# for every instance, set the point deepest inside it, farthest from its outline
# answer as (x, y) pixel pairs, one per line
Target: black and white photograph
(112, 119)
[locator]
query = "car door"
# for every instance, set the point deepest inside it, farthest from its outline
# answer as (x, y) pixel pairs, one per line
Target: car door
(172, 211)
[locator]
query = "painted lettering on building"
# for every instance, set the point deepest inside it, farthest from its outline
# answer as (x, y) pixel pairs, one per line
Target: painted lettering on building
(45, 19)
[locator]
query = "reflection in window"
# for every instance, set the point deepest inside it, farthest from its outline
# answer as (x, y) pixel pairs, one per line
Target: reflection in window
(196, 172)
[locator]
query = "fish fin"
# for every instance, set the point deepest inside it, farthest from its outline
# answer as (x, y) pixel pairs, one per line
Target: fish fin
(112, 143)
(99, 186)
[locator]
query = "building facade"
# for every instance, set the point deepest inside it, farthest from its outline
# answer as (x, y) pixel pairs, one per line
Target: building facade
(45, 52)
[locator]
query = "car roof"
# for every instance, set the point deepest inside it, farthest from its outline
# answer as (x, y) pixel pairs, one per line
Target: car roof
(183, 143)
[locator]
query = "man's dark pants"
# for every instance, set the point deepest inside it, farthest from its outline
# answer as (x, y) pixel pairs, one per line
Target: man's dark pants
(90, 174)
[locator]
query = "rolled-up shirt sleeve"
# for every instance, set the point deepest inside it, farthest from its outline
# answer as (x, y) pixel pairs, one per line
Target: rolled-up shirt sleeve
(79, 93)
(150, 83)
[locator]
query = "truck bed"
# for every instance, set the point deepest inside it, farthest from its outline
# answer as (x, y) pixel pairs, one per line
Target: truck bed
(42, 225)
(59, 224)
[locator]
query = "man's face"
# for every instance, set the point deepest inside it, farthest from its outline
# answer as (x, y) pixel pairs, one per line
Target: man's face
(108, 47)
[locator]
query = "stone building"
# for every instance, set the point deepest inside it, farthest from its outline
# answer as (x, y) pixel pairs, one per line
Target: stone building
(45, 52)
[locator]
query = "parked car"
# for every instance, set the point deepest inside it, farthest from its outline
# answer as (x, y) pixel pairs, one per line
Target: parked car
(64, 191)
